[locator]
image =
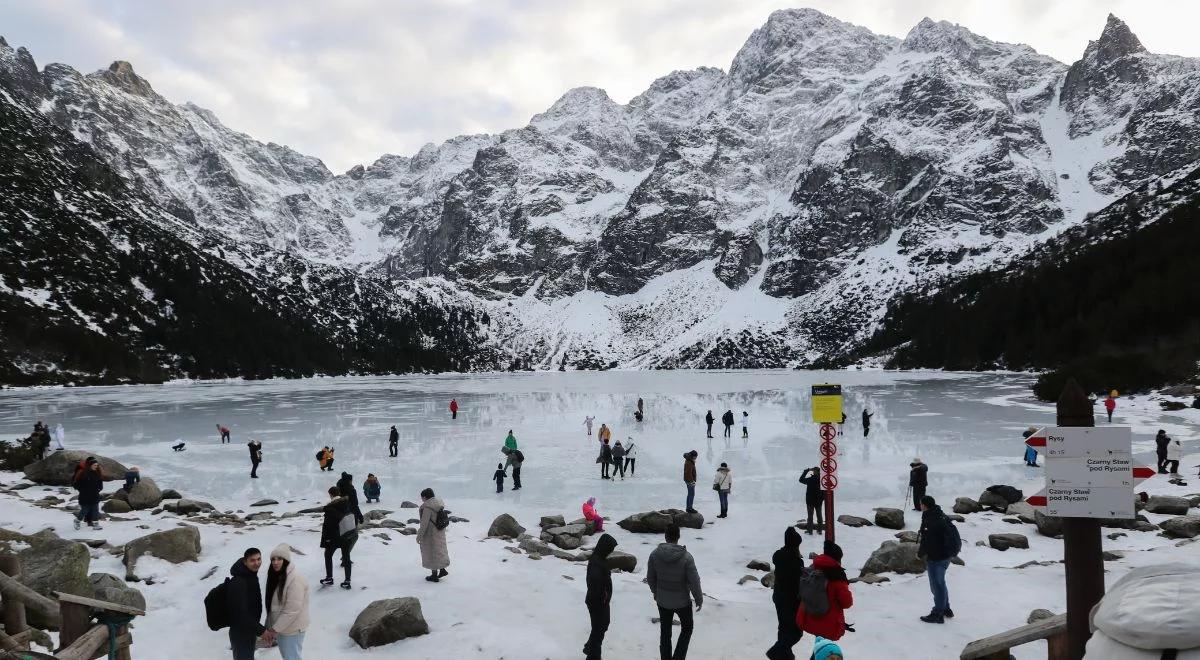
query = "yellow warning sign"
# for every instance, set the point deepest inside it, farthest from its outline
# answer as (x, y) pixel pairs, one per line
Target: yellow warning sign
(827, 403)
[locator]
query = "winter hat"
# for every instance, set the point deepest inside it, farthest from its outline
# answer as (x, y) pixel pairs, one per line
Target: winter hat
(134, 468)
(823, 648)
(791, 538)
(499, 466)
(916, 461)
(724, 465)
(929, 501)
(282, 551)
(833, 551)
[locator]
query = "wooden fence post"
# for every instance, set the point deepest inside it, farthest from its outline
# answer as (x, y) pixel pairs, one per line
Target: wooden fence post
(1082, 548)
(14, 610)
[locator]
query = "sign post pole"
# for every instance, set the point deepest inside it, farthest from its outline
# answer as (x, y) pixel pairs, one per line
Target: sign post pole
(1082, 549)
(827, 411)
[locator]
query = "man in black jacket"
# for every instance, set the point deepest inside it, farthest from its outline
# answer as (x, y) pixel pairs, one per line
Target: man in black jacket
(1162, 441)
(333, 538)
(918, 480)
(393, 443)
(934, 549)
(346, 486)
(599, 594)
(255, 457)
(727, 420)
(786, 594)
(244, 601)
(814, 498)
(708, 420)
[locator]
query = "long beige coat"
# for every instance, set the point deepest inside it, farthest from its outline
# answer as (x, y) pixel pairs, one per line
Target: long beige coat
(434, 554)
(289, 611)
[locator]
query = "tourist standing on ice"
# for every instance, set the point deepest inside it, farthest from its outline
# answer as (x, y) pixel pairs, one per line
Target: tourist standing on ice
(1174, 455)
(393, 443)
(618, 459)
(689, 478)
(918, 481)
(814, 497)
(866, 421)
(708, 421)
(1161, 442)
(287, 603)
(745, 424)
(346, 488)
(675, 584)
(89, 481)
(60, 437)
(372, 488)
(605, 458)
(225, 438)
(244, 604)
(605, 434)
(453, 408)
(841, 423)
(338, 532)
(132, 476)
(498, 476)
(587, 421)
(599, 595)
(641, 405)
(788, 564)
(934, 546)
(723, 483)
(826, 571)
(630, 458)
(431, 535)
(255, 448)
(591, 515)
(516, 459)
(1110, 404)
(727, 420)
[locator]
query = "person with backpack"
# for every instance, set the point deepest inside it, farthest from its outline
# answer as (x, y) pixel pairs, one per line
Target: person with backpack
(133, 476)
(630, 458)
(339, 531)
(591, 515)
(866, 421)
(814, 498)
(498, 477)
(599, 595)
(287, 603)
(745, 424)
(785, 594)
(727, 420)
(372, 488)
(723, 483)
(824, 595)
(346, 488)
(518, 459)
(393, 443)
(431, 535)
(938, 543)
(226, 438)
(618, 459)
(708, 421)
(1161, 442)
(605, 458)
(689, 478)
(604, 434)
(453, 408)
(89, 481)
(918, 481)
(255, 447)
(675, 584)
(243, 606)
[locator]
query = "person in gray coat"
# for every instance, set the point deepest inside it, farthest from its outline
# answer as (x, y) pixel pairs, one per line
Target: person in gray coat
(434, 555)
(675, 584)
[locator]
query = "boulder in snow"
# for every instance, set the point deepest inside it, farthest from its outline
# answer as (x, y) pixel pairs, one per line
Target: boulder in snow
(889, 518)
(854, 521)
(58, 468)
(505, 527)
(1169, 505)
(1182, 527)
(894, 557)
(174, 545)
(966, 505)
(387, 621)
(1006, 541)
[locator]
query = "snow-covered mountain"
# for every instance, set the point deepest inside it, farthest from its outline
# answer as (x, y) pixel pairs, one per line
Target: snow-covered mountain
(760, 217)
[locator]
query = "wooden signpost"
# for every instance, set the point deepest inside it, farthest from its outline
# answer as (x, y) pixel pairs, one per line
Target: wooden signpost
(827, 411)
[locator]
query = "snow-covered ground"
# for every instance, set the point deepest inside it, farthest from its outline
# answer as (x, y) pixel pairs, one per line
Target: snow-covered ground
(497, 604)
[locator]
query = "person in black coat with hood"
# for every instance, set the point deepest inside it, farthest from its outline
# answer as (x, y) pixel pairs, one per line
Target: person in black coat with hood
(332, 538)
(599, 594)
(393, 443)
(346, 486)
(245, 604)
(934, 548)
(786, 594)
(814, 497)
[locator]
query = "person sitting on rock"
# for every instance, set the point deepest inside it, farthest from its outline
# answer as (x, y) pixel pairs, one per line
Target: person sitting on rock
(132, 476)
(590, 514)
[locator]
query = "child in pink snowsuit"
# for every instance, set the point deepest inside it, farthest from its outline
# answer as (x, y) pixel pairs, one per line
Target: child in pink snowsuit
(589, 513)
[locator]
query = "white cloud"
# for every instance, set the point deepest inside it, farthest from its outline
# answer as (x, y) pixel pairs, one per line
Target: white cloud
(351, 80)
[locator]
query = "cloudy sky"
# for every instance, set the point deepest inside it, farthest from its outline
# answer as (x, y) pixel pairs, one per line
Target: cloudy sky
(353, 79)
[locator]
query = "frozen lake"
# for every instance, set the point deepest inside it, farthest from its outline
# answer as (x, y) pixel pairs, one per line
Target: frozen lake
(966, 426)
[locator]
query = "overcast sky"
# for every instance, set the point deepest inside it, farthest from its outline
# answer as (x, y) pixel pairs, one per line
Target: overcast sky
(350, 80)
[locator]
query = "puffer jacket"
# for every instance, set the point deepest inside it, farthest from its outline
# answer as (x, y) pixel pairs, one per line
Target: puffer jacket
(1150, 610)
(831, 625)
(672, 576)
(288, 613)
(723, 480)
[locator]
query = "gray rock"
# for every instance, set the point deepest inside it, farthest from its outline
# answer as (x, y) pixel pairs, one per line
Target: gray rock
(1006, 541)
(621, 561)
(747, 578)
(768, 580)
(113, 589)
(854, 521)
(1115, 535)
(894, 557)
(376, 514)
(758, 565)
(261, 515)
(872, 579)
(993, 501)
(889, 518)
(58, 468)
(568, 537)
(966, 505)
(114, 505)
(391, 524)
(408, 531)
(265, 502)
(174, 545)
(907, 537)
(505, 527)
(589, 525)
(1051, 526)
(1182, 527)
(49, 564)
(956, 517)
(1168, 505)
(171, 494)
(387, 621)
(656, 522)
(1112, 555)
(1021, 509)
(144, 495)
(1038, 615)
(186, 507)
(535, 546)
(552, 521)
(408, 505)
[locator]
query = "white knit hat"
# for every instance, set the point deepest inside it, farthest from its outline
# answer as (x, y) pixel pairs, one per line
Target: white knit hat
(283, 551)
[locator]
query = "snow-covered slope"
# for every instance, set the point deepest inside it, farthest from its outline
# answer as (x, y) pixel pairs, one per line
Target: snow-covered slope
(763, 216)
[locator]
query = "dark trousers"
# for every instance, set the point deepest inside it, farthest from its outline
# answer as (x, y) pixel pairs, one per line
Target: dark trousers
(619, 468)
(393, 449)
(788, 634)
(728, 430)
(1173, 467)
(866, 432)
(723, 496)
(453, 414)
(516, 477)
(1162, 462)
(664, 636)
(691, 496)
(224, 438)
(345, 548)
(918, 493)
(242, 643)
(599, 615)
(630, 464)
(1110, 417)
(815, 507)
(499, 485)
(254, 468)
(709, 428)
(604, 469)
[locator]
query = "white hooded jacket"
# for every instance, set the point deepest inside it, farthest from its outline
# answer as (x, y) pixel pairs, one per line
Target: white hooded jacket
(1150, 610)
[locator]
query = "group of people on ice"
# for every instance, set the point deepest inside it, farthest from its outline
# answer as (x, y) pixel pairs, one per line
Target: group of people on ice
(728, 421)
(42, 437)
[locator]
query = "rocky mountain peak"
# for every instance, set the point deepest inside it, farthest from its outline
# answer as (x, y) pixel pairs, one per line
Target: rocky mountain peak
(1116, 41)
(121, 74)
(931, 36)
(1095, 87)
(578, 104)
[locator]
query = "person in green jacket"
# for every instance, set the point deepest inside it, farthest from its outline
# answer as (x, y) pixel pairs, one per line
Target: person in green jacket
(510, 442)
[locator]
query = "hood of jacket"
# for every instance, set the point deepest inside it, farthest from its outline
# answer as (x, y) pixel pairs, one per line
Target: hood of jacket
(239, 570)
(791, 538)
(434, 504)
(604, 547)
(670, 552)
(1153, 608)
(825, 561)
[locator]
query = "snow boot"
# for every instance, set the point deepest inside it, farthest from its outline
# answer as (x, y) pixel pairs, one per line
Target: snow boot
(327, 581)
(949, 613)
(443, 573)
(933, 617)
(346, 584)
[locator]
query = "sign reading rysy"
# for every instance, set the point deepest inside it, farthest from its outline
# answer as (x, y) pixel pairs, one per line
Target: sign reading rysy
(1089, 472)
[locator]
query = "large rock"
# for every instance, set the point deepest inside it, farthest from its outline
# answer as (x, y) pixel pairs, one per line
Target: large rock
(387, 621)
(1023, 510)
(567, 537)
(185, 507)
(174, 545)
(894, 557)
(144, 495)
(621, 561)
(889, 518)
(535, 546)
(552, 521)
(171, 494)
(993, 501)
(1006, 541)
(1169, 505)
(113, 589)
(966, 505)
(656, 522)
(58, 468)
(589, 525)
(1182, 527)
(115, 505)
(376, 514)
(1051, 526)
(853, 521)
(49, 564)
(505, 527)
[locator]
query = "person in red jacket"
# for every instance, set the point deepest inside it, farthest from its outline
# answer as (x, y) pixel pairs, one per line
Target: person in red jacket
(1110, 404)
(832, 624)
(453, 409)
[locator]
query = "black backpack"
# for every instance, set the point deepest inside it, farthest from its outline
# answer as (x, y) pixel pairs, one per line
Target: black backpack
(519, 456)
(320, 454)
(951, 537)
(216, 606)
(813, 594)
(442, 519)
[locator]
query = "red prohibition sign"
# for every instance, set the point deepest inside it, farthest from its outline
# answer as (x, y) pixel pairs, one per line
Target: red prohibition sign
(828, 432)
(828, 449)
(829, 481)
(829, 465)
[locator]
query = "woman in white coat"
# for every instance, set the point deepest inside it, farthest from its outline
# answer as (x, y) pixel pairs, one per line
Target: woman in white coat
(723, 483)
(434, 554)
(287, 603)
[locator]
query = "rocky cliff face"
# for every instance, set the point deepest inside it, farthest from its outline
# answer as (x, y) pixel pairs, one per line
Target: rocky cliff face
(763, 216)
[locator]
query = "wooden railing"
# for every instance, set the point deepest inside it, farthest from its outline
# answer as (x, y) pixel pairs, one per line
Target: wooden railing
(996, 647)
(79, 638)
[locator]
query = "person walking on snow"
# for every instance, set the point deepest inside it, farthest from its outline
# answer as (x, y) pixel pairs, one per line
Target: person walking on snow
(393, 443)
(243, 602)
(1162, 441)
(675, 584)
(727, 420)
(435, 556)
(599, 595)
(828, 565)
(745, 424)
(866, 421)
(605, 433)
(453, 408)
(918, 480)
(1174, 455)
(346, 488)
(338, 532)
(841, 423)
(1110, 404)
(934, 547)
(689, 477)
(371, 488)
(814, 497)
(587, 421)
(788, 564)
(605, 458)
(618, 458)
(591, 515)
(287, 603)
(255, 448)
(518, 459)
(723, 483)
(498, 477)
(708, 421)
(630, 458)
(225, 438)
(89, 481)
(641, 405)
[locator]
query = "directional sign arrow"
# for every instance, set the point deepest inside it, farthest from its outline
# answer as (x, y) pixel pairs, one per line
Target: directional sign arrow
(1038, 439)
(1037, 499)
(1143, 473)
